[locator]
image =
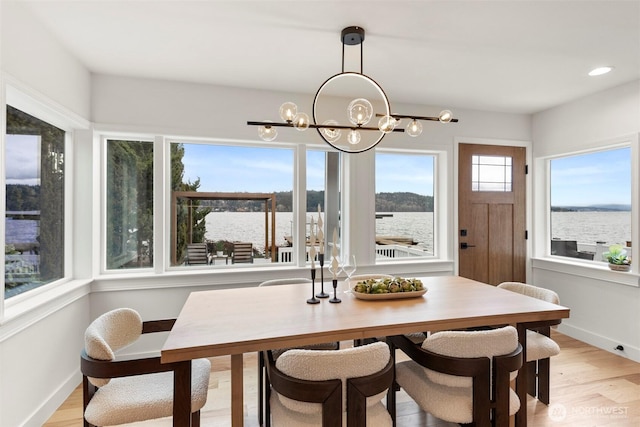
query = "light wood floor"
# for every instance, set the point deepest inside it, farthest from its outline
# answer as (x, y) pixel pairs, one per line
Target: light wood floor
(590, 387)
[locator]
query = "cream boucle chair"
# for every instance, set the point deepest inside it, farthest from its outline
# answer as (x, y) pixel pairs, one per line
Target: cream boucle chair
(540, 348)
(315, 387)
(262, 405)
(130, 390)
(461, 376)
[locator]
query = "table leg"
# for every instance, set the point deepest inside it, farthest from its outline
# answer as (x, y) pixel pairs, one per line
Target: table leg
(521, 380)
(237, 398)
(182, 395)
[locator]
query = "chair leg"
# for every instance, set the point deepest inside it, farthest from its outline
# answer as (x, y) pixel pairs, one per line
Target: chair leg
(267, 404)
(261, 388)
(195, 419)
(532, 377)
(543, 380)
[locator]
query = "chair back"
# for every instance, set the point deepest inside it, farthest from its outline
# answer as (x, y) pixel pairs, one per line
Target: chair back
(197, 253)
(469, 344)
(533, 291)
(289, 281)
(338, 367)
(110, 332)
(242, 252)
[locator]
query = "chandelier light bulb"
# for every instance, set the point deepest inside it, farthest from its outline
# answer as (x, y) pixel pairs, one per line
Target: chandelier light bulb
(387, 124)
(267, 133)
(331, 134)
(360, 111)
(414, 128)
(445, 116)
(353, 137)
(301, 121)
(288, 111)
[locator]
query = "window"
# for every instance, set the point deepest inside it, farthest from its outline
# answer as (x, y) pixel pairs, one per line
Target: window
(590, 203)
(34, 222)
(491, 173)
(404, 205)
(223, 195)
(129, 201)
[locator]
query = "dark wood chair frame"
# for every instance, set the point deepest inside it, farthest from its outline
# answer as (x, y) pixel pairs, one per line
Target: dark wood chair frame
(329, 393)
(538, 371)
(490, 395)
(126, 367)
(263, 405)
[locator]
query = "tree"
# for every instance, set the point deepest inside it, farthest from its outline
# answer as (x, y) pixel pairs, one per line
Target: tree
(193, 232)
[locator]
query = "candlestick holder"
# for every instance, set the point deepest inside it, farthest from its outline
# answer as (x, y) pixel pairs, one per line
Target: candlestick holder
(322, 293)
(313, 299)
(335, 298)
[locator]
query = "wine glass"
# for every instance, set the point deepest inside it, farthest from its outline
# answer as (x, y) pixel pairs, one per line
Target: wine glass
(349, 267)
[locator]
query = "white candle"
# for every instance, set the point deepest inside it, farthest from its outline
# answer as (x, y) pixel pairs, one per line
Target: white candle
(312, 252)
(334, 252)
(320, 232)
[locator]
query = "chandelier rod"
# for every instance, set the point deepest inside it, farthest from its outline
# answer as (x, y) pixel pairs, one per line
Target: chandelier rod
(315, 126)
(404, 116)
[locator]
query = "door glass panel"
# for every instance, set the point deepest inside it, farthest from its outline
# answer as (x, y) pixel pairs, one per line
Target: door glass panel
(491, 173)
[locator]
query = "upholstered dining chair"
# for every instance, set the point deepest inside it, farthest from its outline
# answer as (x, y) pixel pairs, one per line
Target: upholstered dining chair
(125, 390)
(263, 405)
(540, 347)
(330, 388)
(461, 376)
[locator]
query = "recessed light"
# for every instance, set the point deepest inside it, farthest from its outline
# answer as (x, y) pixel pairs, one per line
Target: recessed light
(600, 71)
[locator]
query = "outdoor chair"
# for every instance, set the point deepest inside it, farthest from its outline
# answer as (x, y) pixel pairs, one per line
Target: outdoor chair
(461, 376)
(197, 254)
(262, 384)
(330, 388)
(242, 252)
(126, 390)
(540, 347)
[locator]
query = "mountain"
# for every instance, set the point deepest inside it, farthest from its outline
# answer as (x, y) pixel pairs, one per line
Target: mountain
(592, 208)
(385, 202)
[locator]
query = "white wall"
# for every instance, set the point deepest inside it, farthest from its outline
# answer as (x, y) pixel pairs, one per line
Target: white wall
(33, 56)
(605, 310)
(40, 338)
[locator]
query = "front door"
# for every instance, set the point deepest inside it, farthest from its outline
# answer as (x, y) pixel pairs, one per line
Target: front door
(491, 213)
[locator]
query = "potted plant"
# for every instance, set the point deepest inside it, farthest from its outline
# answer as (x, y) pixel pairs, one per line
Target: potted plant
(617, 258)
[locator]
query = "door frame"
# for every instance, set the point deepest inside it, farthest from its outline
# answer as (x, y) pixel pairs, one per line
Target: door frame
(528, 196)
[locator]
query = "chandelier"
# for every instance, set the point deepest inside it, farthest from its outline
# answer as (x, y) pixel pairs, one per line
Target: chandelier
(346, 108)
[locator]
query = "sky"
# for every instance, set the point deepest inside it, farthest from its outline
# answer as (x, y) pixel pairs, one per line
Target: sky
(594, 178)
(591, 179)
(22, 159)
(271, 170)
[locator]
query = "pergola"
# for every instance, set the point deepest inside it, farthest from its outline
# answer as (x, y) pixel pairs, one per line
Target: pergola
(270, 249)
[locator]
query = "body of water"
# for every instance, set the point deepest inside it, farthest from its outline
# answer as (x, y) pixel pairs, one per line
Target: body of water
(249, 227)
(592, 227)
(585, 227)
(21, 230)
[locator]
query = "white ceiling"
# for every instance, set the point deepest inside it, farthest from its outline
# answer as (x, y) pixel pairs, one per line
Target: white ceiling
(509, 56)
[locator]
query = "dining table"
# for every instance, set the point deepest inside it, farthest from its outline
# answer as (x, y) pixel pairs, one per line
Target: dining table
(251, 319)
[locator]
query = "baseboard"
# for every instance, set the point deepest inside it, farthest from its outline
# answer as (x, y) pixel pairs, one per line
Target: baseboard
(42, 413)
(602, 342)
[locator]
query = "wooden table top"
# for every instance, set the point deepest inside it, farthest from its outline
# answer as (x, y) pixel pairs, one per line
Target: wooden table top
(236, 321)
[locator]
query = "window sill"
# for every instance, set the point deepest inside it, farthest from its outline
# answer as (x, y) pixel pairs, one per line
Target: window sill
(26, 309)
(586, 269)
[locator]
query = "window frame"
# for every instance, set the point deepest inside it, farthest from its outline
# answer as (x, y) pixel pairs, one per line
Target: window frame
(17, 95)
(441, 190)
(298, 200)
(104, 137)
(541, 257)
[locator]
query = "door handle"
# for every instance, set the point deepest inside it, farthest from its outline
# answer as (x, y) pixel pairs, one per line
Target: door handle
(465, 245)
